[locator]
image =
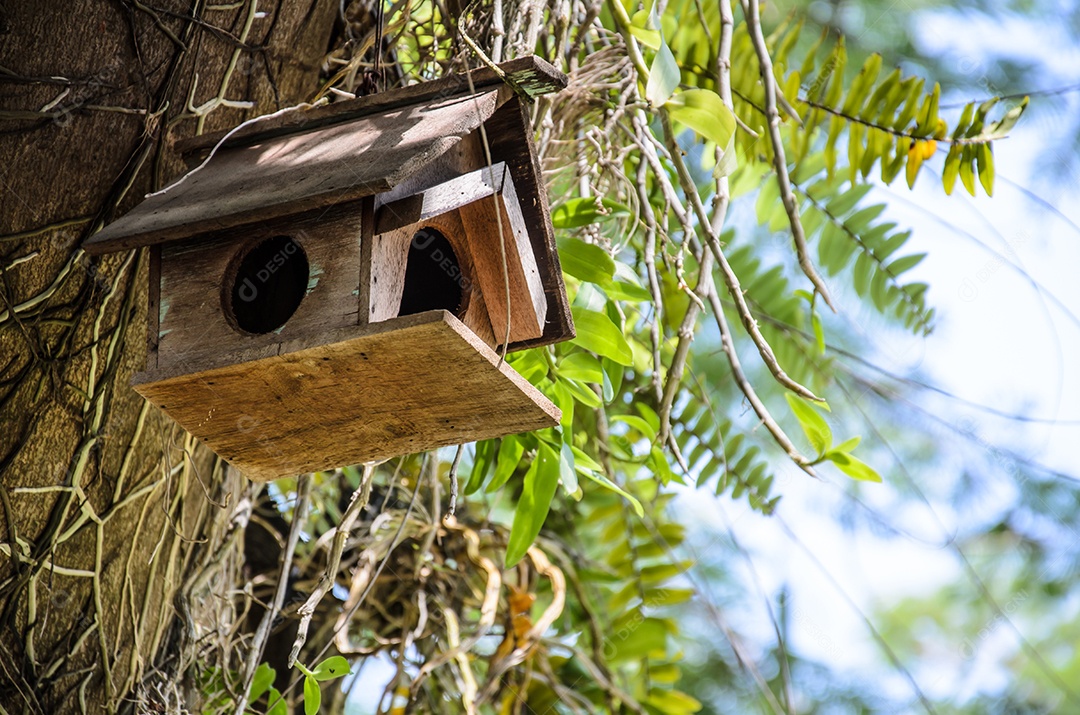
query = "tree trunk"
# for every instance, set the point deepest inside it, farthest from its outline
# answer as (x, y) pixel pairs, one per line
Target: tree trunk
(119, 534)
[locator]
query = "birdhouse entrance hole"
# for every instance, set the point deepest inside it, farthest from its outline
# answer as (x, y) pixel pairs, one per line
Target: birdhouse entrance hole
(434, 279)
(268, 282)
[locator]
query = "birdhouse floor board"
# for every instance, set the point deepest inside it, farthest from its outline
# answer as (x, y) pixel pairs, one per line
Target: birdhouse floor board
(352, 395)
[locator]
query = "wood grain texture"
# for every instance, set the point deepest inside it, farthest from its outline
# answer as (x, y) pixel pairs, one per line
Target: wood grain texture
(534, 75)
(464, 157)
(494, 227)
(511, 139)
(389, 258)
(453, 192)
(352, 395)
(299, 172)
(479, 201)
(193, 325)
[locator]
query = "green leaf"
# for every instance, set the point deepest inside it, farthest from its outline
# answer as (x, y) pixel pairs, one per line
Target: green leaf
(264, 678)
(637, 423)
(861, 85)
(566, 401)
(905, 263)
(985, 158)
(847, 445)
(541, 481)
(277, 703)
(846, 201)
(596, 333)
(583, 393)
(662, 596)
(952, 169)
(814, 425)
(672, 702)
(579, 212)
(636, 639)
(613, 378)
(583, 462)
(644, 26)
(664, 76)
(879, 291)
(864, 267)
(568, 472)
(333, 667)
(581, 366)
(703, 111)
(766, 202)
(819, 332)
(312, 696)
(510, 452)
(622, 290)
(853, 467)
(597, 476)
(967, 168)
(586, 261)
(483, 461)
(658, 462)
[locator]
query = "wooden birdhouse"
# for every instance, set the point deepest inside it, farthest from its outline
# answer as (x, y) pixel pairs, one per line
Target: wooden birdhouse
(334, 284)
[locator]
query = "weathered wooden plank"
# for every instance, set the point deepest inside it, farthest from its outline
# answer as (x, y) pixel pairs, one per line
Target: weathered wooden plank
(495, 227)
(389, 258)
(533, 75)
(511, 140)
(195, 284)
(453, 193)
(352, 395)
(464, 157)
(300, 172)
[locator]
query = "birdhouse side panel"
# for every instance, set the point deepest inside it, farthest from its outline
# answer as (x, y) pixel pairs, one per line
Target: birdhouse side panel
(491, 241)
(247, 289)
(510, 139)
(496, 232)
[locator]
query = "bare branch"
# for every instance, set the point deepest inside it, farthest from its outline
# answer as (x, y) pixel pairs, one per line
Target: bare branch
(262, 633)
(772, 116)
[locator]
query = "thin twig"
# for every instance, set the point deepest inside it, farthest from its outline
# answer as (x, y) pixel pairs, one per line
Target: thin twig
(747, 388)
(451, 510)
(357, 503)
(772, 116)
(731, 280)
(262, 633)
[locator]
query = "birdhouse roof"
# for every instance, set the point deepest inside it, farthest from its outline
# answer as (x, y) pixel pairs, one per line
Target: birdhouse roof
(307, 159)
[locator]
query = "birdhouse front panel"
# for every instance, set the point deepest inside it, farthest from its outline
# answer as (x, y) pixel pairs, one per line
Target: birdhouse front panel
(329, 287)
(461, 245)
(237, 290)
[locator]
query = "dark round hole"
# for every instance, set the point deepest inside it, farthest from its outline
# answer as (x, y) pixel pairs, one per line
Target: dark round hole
(270, 281)
(433, 277)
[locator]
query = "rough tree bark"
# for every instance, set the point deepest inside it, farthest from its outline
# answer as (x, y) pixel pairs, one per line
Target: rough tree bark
(118, 534)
